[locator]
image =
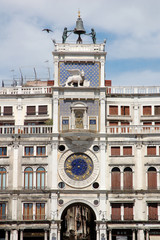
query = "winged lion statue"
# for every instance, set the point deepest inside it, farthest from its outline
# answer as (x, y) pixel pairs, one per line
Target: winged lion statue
(77, 77)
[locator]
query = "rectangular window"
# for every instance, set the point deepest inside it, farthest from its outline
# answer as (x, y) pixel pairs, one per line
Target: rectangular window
(128, 211)
(7, 111)
(151, 151)
(3, 151)
(92, 124)
(127, 151)
(28, 151)
(113, 110)
(28, 211)
(40, 211)
(2, 211)
(125, 110)
(147, 110)
(153, 211)
(157, 110)
(41, 151)
(42, 109)
(116, 211)
(115, 151)
(31, 110)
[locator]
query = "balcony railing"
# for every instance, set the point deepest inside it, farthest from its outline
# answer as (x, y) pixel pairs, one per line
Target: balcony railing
(47, 129)
(25, 90)
(133, 90)
(133, 129)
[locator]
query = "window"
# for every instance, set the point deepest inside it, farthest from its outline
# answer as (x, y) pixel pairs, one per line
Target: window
(31, 110)
(28, 211)
(28, 178)
(40, 178)
(127, 178)
(128, 211)
(127, 151)
(7, 111)
(42, 109)
(115, 151)
(151, 151)
(28, 151)
(152, 211)
(3, 151)
(41, 151)
(2, 211)
(125, 110)
(116, 211)
(157, 110)
(40, 211)
(147, 110)
(3, 178)
(115, 179)
(92, 124)
(113, 110)
(152, 178)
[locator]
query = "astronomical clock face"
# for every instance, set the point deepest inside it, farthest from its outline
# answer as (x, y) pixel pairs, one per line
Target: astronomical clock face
(78, 169)
(78, 166)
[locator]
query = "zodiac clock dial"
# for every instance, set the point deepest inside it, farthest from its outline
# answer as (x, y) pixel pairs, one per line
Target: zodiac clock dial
(78, 166)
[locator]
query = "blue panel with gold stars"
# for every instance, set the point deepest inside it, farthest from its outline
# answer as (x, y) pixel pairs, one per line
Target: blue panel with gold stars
(91, 72)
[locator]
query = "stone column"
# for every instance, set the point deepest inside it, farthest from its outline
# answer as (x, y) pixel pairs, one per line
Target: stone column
(121, 177)
(133, 235)
(102, 116)
(97, 232)
(102, 72)
(45, 235)
(54, 163)
(140, 234)
(103, 232)
(103, 177)
(147, 235)
(14, 234)
(6, 235)
(14, 207)
(15, 165)
(21, 234)
(139, 168)
(55, 115)
(110, 234)
(55, 73)
(53, 232)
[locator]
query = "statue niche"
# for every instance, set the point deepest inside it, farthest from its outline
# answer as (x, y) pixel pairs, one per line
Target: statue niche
(79, 119)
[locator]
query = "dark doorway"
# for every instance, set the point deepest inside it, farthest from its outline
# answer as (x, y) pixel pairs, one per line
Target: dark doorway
(31, 234)
(78, 223)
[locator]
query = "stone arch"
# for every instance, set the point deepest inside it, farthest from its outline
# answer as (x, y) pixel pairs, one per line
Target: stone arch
(78, 221)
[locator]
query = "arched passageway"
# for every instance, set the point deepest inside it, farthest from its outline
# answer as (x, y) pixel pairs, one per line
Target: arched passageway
(78, 223)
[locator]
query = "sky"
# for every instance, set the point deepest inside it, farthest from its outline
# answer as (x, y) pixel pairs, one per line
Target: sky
(131, 29)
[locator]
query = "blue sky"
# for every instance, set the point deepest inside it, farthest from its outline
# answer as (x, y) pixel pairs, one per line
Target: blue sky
(131, 28)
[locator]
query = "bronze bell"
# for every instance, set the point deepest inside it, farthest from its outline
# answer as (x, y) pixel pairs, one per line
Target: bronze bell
(79, 29)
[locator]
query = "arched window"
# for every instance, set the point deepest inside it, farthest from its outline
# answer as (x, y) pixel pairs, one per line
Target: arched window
(127, 178)
(28, 178)
(116, 180)
(152, 178)
(2, 178)
(40, 178)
